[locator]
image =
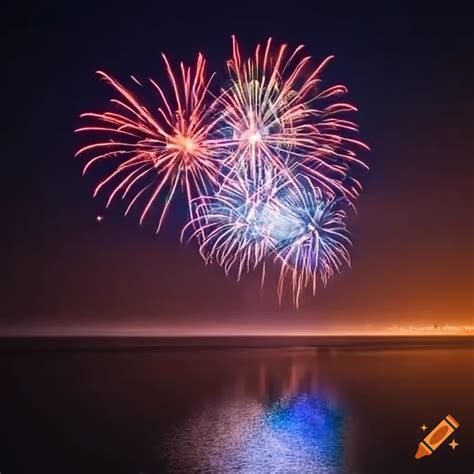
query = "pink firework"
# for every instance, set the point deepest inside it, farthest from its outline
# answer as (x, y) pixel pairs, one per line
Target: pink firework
(277, 116)
(153, 152)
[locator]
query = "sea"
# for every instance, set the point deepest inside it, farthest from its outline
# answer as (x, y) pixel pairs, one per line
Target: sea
(144, 405)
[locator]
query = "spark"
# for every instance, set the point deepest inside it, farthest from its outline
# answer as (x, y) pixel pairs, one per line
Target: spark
(277, 115)
(266, 163)
(316, 245)
(236, 224)
(153, 152)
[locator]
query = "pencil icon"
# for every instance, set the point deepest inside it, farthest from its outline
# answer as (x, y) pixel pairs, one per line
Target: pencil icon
(436, 437)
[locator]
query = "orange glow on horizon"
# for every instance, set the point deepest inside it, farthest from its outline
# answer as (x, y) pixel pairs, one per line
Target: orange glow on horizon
(186, 331)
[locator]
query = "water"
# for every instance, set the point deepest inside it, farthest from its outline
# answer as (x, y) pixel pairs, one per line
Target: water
(331, 405)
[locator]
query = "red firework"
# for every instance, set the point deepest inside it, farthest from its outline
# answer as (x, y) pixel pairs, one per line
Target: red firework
(152, 152)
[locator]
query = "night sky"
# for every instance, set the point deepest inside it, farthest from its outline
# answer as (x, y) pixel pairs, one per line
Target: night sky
(409, 71)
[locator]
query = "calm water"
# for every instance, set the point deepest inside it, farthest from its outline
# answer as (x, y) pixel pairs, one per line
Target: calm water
(273, 405)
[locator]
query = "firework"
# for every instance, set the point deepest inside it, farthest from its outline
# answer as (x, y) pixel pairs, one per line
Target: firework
(235, 226)
(277, 116)
(150, 153)
(240, 226)
(316, 242)
(265, 164)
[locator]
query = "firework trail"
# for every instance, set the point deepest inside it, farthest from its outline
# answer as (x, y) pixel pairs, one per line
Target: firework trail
(156, 152)
(277, 116)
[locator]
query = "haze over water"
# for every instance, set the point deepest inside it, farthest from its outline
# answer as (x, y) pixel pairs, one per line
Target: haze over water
(330, 405)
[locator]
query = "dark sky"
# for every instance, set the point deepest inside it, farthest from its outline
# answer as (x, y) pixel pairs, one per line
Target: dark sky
(409, 71)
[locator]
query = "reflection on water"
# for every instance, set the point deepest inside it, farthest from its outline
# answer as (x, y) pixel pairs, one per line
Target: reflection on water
(321, 408)
(285, 427)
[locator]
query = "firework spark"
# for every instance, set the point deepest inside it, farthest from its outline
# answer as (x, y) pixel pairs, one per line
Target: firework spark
(151, 153)
(316, 242)
(277, 116)
(265, 164)
(235, 224)
(305, 232)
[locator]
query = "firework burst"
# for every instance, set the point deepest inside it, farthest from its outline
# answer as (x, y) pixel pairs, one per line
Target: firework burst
(153, 152)
(277, 116)
(315, 244)
(265, 164)
(235, 226)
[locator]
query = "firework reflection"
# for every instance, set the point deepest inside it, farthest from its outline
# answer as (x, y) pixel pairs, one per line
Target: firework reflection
(285, 427)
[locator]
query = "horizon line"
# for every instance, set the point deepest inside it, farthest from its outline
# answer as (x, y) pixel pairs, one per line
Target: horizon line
(140, 334)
